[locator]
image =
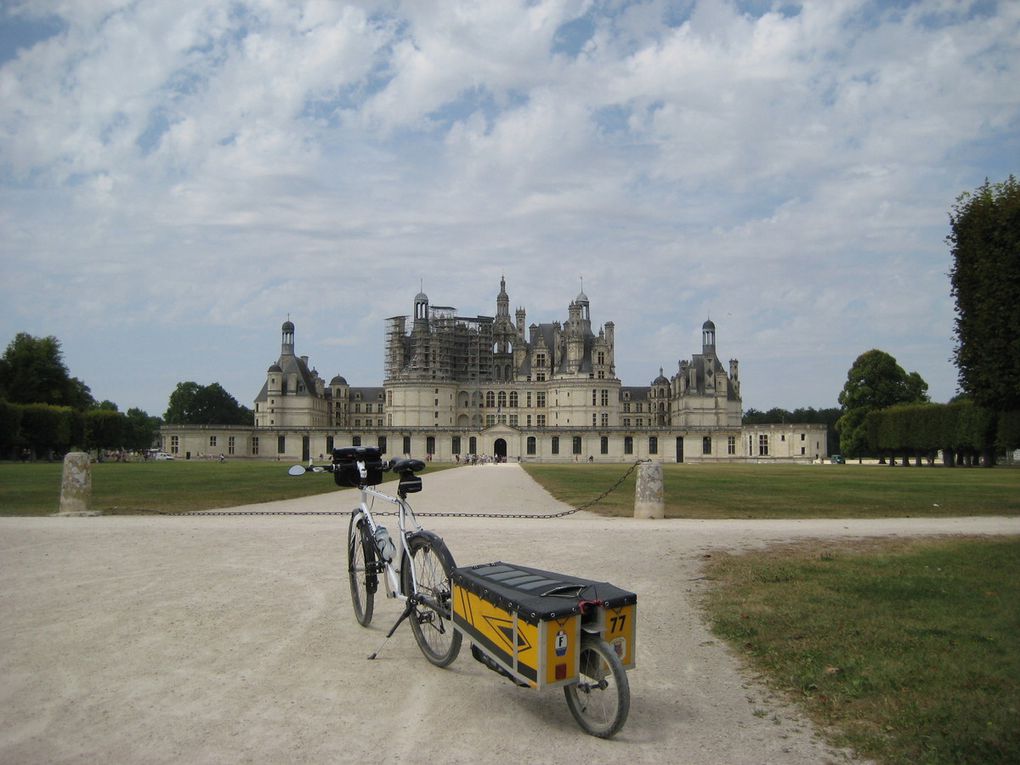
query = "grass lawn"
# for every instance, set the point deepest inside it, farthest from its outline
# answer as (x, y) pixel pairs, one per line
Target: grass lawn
(169, 487)
(906, 651)
(795, 491)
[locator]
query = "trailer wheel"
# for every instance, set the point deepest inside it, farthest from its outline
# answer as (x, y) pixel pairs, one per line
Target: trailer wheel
(600, 699)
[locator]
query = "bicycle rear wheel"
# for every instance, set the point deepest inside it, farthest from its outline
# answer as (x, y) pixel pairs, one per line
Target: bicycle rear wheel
(431, 620)
(361, 568)
(600, 700)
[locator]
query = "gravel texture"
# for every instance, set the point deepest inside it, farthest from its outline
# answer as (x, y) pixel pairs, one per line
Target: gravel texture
(231, 639)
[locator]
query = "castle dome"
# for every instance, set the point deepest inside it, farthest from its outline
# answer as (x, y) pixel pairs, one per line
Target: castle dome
(288, 326)
(708, 325)
(274, 368)
(338, 380)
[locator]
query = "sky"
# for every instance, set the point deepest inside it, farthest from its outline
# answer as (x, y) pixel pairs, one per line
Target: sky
(179, 177)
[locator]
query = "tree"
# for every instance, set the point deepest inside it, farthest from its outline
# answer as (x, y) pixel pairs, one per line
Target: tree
(140, 430)
(32, 371)
(874, 381)
(45, 427)
(10, 427)
(194, 404)
(104, 429)
(985, 277)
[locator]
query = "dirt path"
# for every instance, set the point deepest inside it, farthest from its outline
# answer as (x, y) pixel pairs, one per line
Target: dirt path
(231, 639)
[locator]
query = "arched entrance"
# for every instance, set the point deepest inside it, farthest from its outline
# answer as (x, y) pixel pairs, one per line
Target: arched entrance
(499, 448)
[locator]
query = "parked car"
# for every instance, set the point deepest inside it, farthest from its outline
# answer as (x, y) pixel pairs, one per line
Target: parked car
(837, 459)
(162, 456)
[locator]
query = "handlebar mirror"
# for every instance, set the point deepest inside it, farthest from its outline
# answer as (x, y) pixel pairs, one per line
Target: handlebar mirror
(296, 470)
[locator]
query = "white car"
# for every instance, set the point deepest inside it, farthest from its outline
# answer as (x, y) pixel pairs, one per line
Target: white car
(162, 456)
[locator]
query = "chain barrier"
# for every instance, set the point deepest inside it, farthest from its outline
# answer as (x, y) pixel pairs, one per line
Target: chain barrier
(561, 514)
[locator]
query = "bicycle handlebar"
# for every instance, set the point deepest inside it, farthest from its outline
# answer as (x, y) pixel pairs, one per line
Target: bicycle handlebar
(401, 466)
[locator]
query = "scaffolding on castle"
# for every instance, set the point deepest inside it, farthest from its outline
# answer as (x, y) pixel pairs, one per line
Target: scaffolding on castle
(446, 347)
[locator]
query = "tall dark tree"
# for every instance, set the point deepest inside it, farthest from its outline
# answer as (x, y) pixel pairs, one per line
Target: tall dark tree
(874, 381)
(194, 404)
(985, 276)
(32, 371)
(140, 430)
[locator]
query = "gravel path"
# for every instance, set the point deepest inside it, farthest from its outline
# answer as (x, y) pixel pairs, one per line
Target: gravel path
(231, 639)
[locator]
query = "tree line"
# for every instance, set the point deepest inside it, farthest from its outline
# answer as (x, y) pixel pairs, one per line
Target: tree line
(885, 411)
(45, 412)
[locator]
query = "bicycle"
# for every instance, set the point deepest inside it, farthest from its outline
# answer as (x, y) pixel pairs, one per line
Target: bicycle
(422, 580)
(537, 628)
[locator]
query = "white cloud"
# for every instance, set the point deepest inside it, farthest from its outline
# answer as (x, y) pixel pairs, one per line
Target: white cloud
(200, 167)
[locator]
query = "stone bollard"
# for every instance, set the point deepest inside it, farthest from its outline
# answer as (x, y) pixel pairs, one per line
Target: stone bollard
(76, 487)
(648, 491)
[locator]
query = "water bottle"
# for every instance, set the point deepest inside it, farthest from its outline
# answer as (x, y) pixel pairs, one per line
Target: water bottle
(384, 544)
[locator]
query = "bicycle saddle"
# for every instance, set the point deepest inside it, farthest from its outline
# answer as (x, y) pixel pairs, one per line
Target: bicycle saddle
(407, 466)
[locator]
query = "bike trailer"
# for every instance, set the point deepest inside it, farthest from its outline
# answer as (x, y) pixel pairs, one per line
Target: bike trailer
(529, 622)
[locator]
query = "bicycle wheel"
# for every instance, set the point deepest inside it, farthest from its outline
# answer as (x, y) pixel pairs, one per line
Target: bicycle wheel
(361, 568)
(431, 625)
(600, 700)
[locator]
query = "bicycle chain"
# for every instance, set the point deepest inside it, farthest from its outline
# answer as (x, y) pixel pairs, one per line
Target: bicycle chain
(561, 514)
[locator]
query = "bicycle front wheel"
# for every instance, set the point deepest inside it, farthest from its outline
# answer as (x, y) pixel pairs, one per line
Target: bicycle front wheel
(361, 568)
(600, 700)
(431, 619)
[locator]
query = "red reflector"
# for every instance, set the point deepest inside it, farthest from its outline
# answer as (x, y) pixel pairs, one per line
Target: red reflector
(561, 671)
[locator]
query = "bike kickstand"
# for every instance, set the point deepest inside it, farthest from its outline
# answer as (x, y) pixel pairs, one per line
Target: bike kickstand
(408, 610)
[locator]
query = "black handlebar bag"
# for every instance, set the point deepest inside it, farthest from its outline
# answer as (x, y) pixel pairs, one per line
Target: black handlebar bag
(345, 466)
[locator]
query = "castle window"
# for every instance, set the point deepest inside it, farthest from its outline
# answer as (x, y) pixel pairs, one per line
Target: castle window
(731, 445)
(230, 445)
(594, 396)
(513, 399)
(502, 399)
(490, 399)
(628, 445)
(455, 445)
(281, 445)
(763, 445)
(531, 445)
(540, 377)
(356, 441)
(407, 444)
(706, 445)
(540, 420)
(254, 446)
(577, 444)
(472, 445)
(604, 445)
(382, 444)
(653, 445)
(528, 400)
(605, 419)
(605, 397)
(555, 444)
(540, 400)
(212, 440)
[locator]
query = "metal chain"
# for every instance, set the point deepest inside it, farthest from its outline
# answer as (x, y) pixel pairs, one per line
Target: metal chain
(561, 514)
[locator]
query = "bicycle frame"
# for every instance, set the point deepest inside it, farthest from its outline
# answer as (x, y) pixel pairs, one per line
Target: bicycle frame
(404, 514)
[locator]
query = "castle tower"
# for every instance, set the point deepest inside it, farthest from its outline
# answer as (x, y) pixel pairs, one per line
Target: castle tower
(287, 342)
(708, 338)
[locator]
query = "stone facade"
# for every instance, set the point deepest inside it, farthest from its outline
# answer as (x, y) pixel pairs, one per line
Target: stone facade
(493, 385)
